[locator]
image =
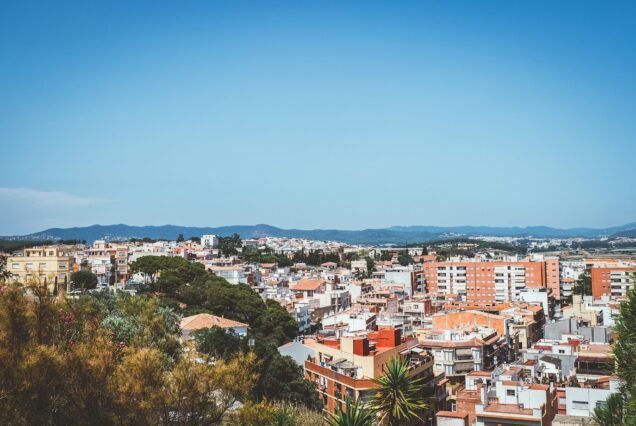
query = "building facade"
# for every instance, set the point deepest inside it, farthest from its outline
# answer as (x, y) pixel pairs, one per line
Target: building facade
(44, 265)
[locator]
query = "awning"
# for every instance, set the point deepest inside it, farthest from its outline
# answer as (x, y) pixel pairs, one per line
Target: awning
(415, 349)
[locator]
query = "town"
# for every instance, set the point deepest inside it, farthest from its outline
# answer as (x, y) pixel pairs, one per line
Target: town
(493, 335)
(318, 213)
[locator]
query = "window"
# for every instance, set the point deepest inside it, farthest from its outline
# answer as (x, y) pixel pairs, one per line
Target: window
(580, 405)
(62, 265)
(29, 265)
(510, 392)
(16, 266)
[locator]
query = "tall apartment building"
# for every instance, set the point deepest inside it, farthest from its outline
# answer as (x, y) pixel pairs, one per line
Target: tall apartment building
(612, 281)
(553, 275)
(491, 282)
(120, 253)
(346, 367)
(47, 265)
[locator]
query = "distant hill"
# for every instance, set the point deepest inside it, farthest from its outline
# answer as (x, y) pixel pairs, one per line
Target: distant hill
(394, 235)
(628, 233)
(171, 232)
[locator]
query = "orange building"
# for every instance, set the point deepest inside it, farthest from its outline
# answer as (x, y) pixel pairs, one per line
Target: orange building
(612, 280)
(553, 276)
(491, 282)
(346, 367)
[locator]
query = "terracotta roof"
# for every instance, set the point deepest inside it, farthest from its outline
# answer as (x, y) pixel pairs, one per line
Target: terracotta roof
(308, 285)
(452, 414)
(481, 373)
(508, 409)
(199, 321)
(538, 386)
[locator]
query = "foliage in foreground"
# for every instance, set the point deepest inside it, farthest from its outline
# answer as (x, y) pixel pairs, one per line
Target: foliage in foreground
(274, 414)
(354, 415)
(109, 360)
(398, 398)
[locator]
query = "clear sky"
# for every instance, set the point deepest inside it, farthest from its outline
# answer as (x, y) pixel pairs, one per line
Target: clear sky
(317, 114)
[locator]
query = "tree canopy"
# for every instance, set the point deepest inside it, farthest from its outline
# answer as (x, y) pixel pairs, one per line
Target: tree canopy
(230, 245)
(85, 280)
(64, 362)
(117, 359)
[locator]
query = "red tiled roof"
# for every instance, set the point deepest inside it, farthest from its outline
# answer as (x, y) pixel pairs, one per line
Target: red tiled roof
(481, 373)
(308, 285)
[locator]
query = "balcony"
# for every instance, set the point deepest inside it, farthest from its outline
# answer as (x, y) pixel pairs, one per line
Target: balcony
(339, 377)
(464, 366)
(464, 358)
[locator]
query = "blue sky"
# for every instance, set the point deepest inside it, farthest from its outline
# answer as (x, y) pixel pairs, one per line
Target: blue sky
(317, 114)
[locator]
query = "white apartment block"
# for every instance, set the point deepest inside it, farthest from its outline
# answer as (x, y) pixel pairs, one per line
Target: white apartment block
(210, 241)
(509, 281)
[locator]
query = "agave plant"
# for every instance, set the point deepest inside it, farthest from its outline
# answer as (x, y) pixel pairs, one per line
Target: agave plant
(354, 415)
(397, 399)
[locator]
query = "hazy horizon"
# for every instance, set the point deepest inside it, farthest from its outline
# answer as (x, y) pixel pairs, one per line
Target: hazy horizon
(312, 229)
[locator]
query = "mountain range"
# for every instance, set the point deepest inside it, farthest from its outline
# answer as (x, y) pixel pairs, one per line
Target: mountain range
(393, 235)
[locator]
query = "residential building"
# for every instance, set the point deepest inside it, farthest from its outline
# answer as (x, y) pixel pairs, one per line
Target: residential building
(460, 351)
(236, 274)
(210, 241)
(613, 281)
(46, 265)
(491, 282)
(582, 401)
(505, 398)
(345, 367)
(193, 323)
(359, 266)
